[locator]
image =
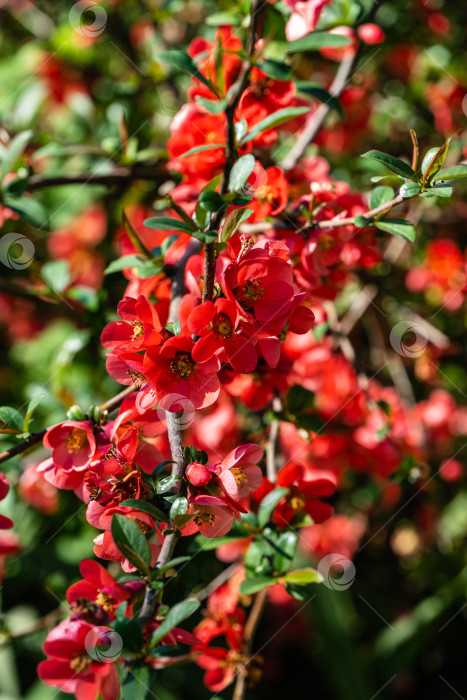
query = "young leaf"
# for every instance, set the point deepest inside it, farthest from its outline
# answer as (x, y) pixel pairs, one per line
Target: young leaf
(233, 220)
(395, 164)
(11, 418)
(181, 60)
(125, 262)
(219, 19)
(179, 507)
(409, 189)
(381, 195)
(146, 507)
(268, 504)
(302, 576)
(198, 149)
(240, 172)
(174, 617)
(319, 93)
(317, 40)
(166, 484)
(167, 223)
(433, 161)
(398, 227)
(440, 190)
(253, 585)
(32, 405)
(453, 172)
(273, 120)
(212, 106)
(13, 151)
(131, 542)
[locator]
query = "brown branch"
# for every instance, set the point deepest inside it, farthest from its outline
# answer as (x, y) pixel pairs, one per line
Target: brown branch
(116, 177)
(230, 149)
(250, 629)
(35, 438)
(350, 221)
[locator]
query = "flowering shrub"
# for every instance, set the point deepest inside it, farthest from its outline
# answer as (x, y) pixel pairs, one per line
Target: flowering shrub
(287, 387)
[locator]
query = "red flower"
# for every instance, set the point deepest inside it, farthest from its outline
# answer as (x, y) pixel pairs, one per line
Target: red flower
(305, 488)
(97, 586)
(140, 328)
(73, 444)
(269, 190)
(217, 325)
(173, 372)
(239, 473)
(5, 523)
(73, 650)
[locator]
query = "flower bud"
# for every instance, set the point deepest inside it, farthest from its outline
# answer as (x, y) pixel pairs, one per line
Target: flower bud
(198, 474)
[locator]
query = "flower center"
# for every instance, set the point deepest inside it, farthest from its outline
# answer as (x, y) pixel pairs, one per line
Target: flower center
(204, 517)
(182, 365)
(248, 292)
(222, 326)
(105, 601)
(80, 663)
(239, 474)
(138, 330)
(76, 440)
(297, 502)
(136, 377)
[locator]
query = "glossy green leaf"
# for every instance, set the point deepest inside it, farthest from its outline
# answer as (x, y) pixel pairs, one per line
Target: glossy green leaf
(398, 227)
(166, 484)
(240, 172)
(13, 151)
(233, 220)
(255, 584)
(181, 60)
(11, 418)
(131, 542)
(381, 195)
(146, 507)
(395, 164)
(167, 223)
(276, 69)
(30, 209)
(410, 189)
(317, 40)
(125, 262)
(319, 93)
(453, 172)
(273, 120)
(174, 617)
(302, 576)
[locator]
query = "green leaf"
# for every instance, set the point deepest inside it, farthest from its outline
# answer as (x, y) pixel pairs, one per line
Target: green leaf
(453, 172)
(211, 201)
(410, 189)
(201, 214)
(124, 262)
(198, 149)
(433, 161)
(13, 151)
(381, 195)
(310, 421)
(319, 93)
(317, 40)
(395, 164)
(32, 210)
(240, 172)
(398, 227)
(146, 507)
(219, 19)
(166, 484)
(233, 220)
(268, 504)
(285, 547)
(440, 190)
(131, 634)
(179, 507)
(131, 542)
(299, 399)
(56, 273)
(276, 69)
(206, 236)
(302, 576)
(11, 418)
(174, 617)
(212, 106)
(32, 405)
(274, 119)
(167, 223)
(181, 212)
(181, 60)
(136, 684)
(172, 564)
(253, 585)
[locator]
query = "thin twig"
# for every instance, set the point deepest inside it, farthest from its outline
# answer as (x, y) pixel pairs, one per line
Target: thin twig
(35, 438)
(116, 177)
(250, 629)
